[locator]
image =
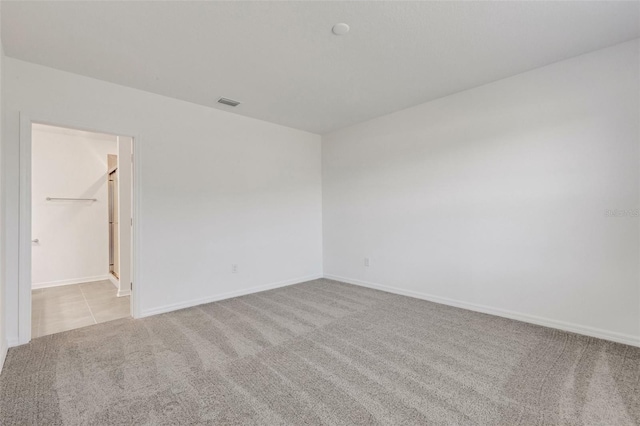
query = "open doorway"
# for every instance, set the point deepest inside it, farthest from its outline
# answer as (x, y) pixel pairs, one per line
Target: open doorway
(81, 217)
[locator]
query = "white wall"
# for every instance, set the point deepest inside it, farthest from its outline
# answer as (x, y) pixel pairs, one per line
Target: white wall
(494, 198)
(73, 236)
(215, 188)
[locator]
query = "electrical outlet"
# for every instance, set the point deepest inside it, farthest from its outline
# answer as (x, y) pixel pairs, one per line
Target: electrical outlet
(366, 261)
(234, 269)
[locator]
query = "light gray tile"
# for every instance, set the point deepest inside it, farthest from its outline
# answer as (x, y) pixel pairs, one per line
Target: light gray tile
(35, 322)
(61, 290)
(108, 302)
(111, 314)
(52, 327)
(59, 299)
(98, 286)
(67, 312)
(65, 308)
(35, 315)
(57, 303)
(100, 293)
(60, 302)
(111, 309)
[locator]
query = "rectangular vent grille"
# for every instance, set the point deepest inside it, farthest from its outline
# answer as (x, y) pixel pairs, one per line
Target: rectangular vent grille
(229, 102)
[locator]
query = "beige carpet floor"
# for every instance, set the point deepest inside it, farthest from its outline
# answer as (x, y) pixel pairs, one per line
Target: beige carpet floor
(316, 353)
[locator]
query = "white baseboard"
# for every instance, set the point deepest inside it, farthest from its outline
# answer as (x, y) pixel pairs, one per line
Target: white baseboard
(12, 343)
(69, 282)
(122, 293)
(627, 339)
(114, 281)
(4, 347)
(16, 342)
(228, 295)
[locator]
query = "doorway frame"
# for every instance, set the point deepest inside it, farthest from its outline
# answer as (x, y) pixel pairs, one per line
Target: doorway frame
(24, 236)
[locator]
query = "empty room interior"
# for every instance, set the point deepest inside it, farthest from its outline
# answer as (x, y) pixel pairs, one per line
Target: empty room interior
(320, 213)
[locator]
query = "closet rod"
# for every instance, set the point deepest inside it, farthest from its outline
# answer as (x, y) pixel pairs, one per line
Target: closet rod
(72, 199)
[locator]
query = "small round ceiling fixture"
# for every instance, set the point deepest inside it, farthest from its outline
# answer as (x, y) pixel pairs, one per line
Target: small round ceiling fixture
(340, 29)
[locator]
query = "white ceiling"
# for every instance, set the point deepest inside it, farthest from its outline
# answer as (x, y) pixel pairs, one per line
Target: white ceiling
(283, 62)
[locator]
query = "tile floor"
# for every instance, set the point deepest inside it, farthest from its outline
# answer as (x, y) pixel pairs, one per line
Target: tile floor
(58, 309)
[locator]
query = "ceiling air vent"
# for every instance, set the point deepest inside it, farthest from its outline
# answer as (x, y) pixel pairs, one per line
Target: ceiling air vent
(229, 102)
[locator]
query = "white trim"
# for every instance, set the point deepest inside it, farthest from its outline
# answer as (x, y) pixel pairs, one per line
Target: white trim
(59, 283)
(24, 235)
(228, 295)
(627, 339)
(135, 291)
(113, 280)
(122, 293)
(24, 238)
(4, 348)
(116, 282)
